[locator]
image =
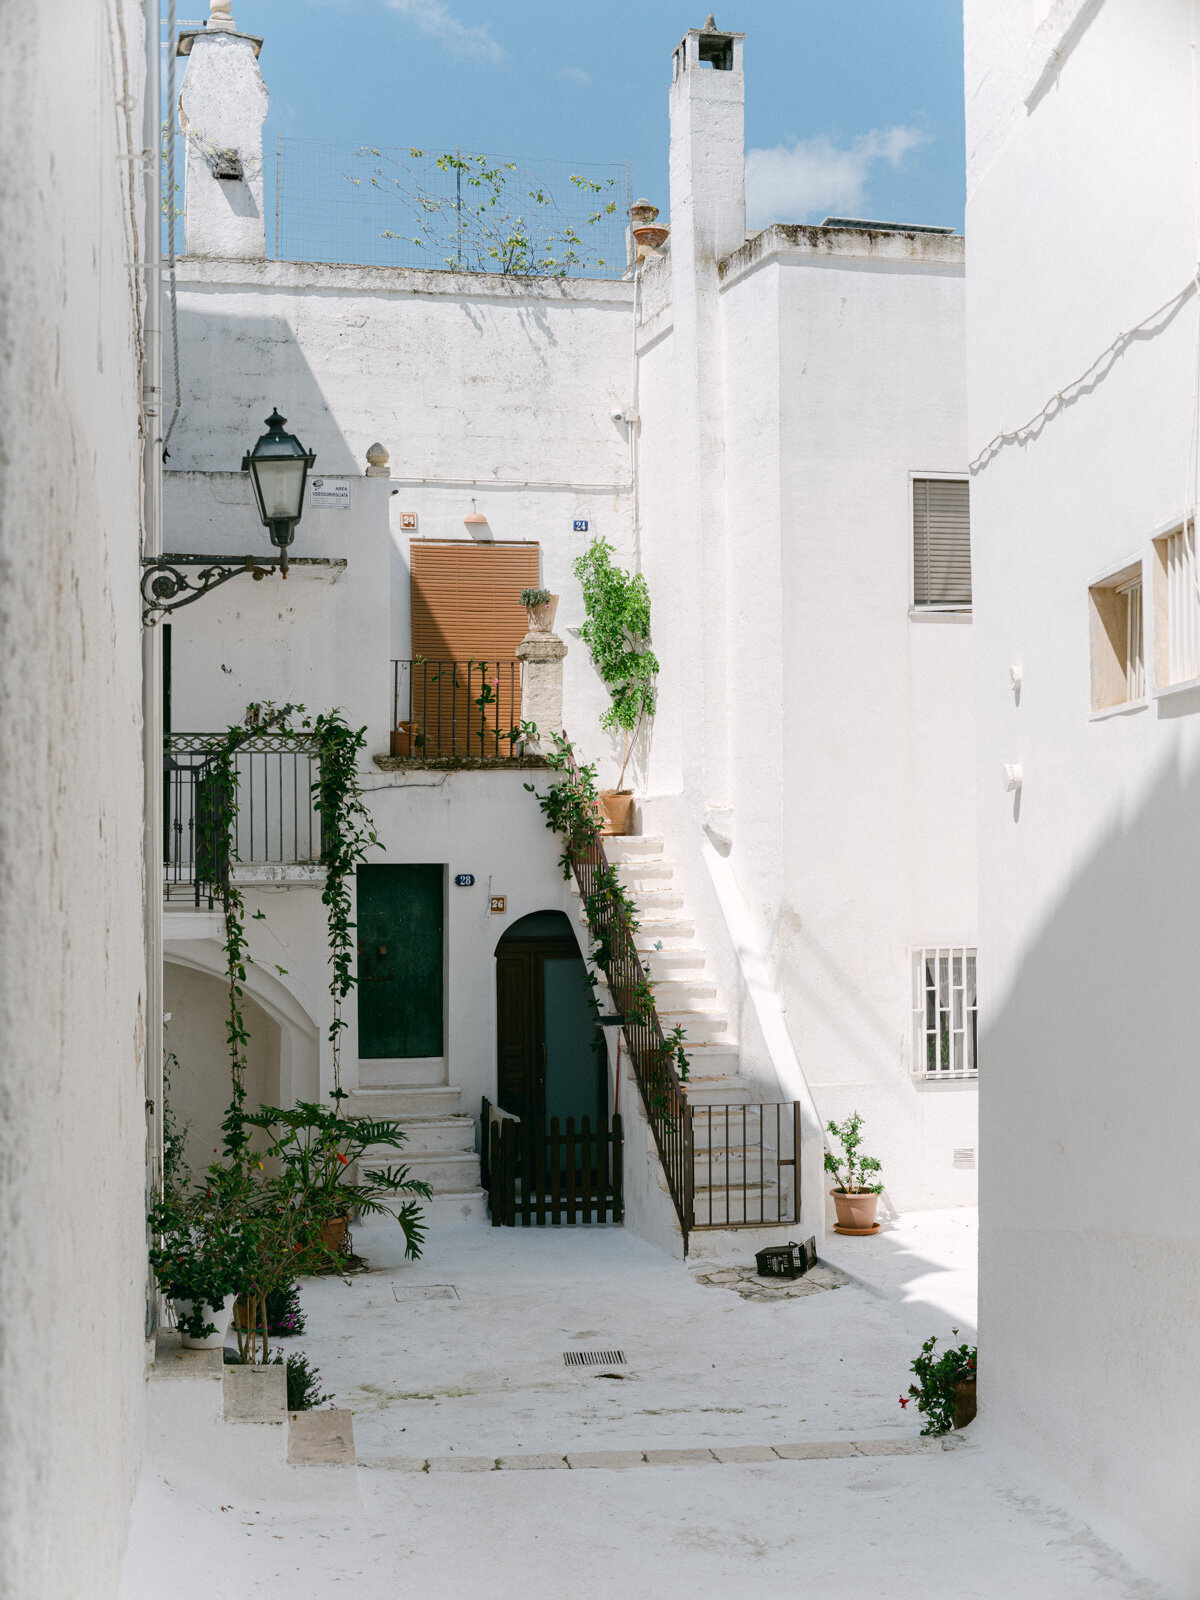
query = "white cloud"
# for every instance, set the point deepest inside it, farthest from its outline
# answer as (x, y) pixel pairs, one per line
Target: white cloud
(432, 17)
(813, 178)
(576, 75)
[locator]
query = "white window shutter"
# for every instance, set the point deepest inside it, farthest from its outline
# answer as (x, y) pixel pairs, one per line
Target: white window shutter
(941, 542)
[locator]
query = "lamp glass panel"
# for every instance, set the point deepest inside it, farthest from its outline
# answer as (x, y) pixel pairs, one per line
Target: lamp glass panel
(280, 485)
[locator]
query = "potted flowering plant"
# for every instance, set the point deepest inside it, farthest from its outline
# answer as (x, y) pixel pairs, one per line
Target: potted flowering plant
(945, 1387)
(201, 1261)
(855, 1196)
(540, 606)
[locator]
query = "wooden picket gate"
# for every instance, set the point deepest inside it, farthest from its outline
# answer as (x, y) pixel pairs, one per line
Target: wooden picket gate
(534, 1173)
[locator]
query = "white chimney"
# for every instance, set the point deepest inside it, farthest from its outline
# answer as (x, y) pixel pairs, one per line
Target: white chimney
(708, 143)
(222, 108)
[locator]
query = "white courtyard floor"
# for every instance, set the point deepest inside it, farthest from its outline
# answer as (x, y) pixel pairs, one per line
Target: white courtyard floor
(475, 1440)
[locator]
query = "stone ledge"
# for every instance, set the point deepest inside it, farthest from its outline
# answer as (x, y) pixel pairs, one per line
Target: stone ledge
(724, 1455)
(321, 1439)
(458, 763)
(255, 1394)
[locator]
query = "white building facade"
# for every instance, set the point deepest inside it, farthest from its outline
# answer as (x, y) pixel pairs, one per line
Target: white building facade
(1082, 318)
(751, 424)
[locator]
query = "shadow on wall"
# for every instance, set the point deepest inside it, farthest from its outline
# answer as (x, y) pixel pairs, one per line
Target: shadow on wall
(234, 370)
(1089, 1112)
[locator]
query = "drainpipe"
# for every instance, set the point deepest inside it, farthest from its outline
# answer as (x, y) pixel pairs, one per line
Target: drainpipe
(152, 736)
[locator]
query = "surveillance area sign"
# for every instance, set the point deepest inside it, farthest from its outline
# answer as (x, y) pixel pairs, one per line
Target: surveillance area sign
(333, 493)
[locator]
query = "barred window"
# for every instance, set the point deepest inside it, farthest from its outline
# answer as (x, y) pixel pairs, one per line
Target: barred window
(941, 543)
(945, 1015)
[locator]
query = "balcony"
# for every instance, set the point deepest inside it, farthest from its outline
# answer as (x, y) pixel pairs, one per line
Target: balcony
(276, 833)
(456, 714)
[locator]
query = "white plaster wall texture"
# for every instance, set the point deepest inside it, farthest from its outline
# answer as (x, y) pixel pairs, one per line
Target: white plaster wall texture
(1089, 1288)
(850, 809)
(72, 1124)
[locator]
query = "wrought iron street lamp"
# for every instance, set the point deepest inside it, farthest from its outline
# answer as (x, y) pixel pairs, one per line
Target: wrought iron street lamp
(278, 467)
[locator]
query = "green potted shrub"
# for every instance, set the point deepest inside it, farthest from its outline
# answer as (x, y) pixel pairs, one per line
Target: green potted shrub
(200, 1260)
(945, 1387)
(617, 633)
(541, 607)
(855, 1194)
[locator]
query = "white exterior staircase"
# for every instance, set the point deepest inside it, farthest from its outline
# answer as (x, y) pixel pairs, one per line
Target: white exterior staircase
(440, 1147)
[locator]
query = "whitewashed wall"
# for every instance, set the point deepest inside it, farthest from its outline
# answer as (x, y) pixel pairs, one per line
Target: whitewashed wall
(72, 1124)
(847, 811)
(1081, 138)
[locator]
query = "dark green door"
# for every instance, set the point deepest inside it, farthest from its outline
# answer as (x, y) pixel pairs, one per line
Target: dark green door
(400, 960)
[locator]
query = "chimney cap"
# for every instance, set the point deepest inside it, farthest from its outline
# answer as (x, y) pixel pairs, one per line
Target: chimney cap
(710, 25)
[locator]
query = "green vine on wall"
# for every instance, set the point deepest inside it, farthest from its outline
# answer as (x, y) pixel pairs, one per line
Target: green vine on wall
(617, 633)
(347, 833)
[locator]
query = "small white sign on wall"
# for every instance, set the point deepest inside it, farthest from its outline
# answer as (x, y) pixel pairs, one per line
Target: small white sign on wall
(330, 492)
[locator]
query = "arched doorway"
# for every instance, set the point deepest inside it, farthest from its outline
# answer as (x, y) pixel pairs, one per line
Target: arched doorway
(550, 1059)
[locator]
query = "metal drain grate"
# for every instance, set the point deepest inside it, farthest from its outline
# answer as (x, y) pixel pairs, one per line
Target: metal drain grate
(425, 1291)
(593, 1358)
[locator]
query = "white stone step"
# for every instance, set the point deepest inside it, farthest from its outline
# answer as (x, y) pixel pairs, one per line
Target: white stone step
(721, 1208)
(651, 902)
(384, 1073)
(633, 847)
(429, 1135)
(644, 874)
(429, 1100)
(670, 930)
(700, 1027)
(446, 1173)
(459, 1205)
(672, 963)
(675, 993)
(719, 1060)
(717, 1091)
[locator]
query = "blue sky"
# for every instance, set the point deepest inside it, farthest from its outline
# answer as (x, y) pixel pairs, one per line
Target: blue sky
(853, 106)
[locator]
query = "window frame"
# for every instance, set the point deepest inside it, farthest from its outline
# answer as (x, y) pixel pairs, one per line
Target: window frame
(918, 1029)
(939, 608)
(1109, 637)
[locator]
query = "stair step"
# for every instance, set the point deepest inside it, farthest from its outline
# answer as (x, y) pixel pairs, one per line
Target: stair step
(717, 1091)
(673, 994)
(718, 1059)
(671, 930)
(446, 1173)
(397, 1073)
(456, 1205)
(633, 847)
(700, 1027)
(638, 874)
(429, 1136)
(428, 1100)
(649, 901)
(671, 963)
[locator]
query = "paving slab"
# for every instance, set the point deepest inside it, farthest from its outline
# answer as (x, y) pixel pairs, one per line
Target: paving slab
(890, 1447)
(816, 1450)
(679, 1458)
(617, 1460)
(534, 1463)
(462, 1463)
(255, 1394)
(321, 1439)
(395, 1463)
(744, 1452)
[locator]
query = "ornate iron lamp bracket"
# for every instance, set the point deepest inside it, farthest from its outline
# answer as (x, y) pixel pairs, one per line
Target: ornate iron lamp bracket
(168, 582)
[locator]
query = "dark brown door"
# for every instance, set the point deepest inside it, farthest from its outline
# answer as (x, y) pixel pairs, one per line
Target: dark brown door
(546, 1058)
(520, 1063)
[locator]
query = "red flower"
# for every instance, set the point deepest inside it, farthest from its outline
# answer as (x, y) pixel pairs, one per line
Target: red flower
(903, 1399)
(345, 1160)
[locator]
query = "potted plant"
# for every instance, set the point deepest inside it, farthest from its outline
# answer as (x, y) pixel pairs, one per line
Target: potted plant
(945, 1387)
(617, 632)
(541, 607)
(199, 1260)
(854, 1196)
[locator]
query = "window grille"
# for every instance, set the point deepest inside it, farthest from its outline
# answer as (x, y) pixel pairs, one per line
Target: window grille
(945, 1014)
(941, 542)
(1183, 606)
(1135, 671)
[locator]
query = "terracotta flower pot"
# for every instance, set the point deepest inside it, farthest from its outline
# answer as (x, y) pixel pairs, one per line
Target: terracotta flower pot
(333, 1233)
(964, 1402)
(541, 618)
(855, 1210)
(402, 739)
(617, 803)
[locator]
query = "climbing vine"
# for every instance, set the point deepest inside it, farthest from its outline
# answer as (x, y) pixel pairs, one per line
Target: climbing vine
(617, 632)
(346, 834)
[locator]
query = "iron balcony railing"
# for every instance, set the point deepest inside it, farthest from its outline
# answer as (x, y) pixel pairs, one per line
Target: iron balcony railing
(277, 822)
(456, 708)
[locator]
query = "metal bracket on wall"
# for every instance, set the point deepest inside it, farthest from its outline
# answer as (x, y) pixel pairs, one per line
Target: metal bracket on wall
(167, 584)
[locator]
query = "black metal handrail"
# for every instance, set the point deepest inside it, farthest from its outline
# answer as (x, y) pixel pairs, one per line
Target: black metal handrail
(456, 708)
(277, 822)
(652, 1058)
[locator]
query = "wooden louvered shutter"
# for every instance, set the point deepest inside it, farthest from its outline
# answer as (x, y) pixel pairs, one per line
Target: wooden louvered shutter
(941, 542)
(467, 621)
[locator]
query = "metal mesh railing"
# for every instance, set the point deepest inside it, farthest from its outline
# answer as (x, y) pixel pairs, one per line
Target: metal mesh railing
(376, 205)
